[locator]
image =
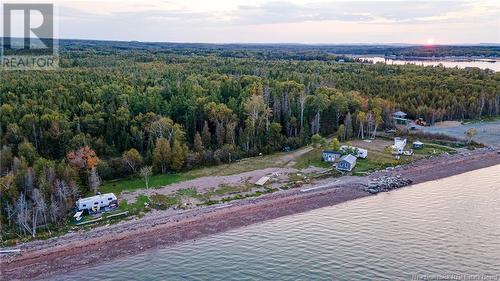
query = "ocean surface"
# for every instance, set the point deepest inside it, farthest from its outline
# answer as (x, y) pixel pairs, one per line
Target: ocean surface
(483, 64)
(449, 228)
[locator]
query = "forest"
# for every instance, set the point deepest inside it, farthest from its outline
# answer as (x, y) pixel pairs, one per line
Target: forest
(114, 108)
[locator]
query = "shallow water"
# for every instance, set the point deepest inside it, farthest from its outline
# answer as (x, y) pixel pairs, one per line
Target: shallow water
(483, 64)
(448, 228)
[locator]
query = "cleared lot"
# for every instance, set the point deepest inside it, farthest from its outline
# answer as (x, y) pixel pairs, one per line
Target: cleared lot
(488, 133)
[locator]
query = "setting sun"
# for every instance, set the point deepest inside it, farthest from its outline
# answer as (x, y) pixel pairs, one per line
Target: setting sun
(430, 41)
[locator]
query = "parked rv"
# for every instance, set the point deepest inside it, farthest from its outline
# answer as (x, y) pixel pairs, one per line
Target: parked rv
(96, 203)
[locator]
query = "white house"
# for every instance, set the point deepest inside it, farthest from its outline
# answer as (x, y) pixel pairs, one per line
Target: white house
(95, 203)
(399, 146)
(346, 163)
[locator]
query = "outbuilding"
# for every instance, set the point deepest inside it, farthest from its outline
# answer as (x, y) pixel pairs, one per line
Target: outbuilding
(400, 118)
(418, 145)
(346, 163)
(331, 155)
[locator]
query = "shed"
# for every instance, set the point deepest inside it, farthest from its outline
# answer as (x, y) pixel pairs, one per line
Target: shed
(400, 117)
(346, 163)
(418, 145)
(331, 155)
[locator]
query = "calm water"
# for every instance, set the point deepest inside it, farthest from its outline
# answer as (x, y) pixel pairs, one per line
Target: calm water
(460, 64)
(449, 226)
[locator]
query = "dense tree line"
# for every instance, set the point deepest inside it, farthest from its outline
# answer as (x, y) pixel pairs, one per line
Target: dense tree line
(108, 112)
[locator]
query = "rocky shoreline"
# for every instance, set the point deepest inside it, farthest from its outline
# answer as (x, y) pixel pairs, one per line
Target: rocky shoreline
(161, 229)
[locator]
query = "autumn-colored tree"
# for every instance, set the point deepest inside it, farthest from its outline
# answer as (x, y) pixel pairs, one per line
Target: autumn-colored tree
(178, 156)
(334, 144)
(162, 155)
(361, 123)
(341, 132)
(84, 158)
(198, 143)
(133, 159)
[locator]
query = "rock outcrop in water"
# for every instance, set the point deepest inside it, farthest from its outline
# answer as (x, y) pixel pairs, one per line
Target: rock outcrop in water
(387, 183)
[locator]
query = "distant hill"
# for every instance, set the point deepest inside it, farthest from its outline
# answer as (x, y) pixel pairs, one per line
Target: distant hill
(482, 50)
(285, 51)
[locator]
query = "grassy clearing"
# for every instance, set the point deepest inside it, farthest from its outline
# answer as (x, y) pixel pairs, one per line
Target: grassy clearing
(434, 149)
(224, 190)
(312, 158)
(163, 202)
(240, 196)
(377, 161)
(250, 164)
(139, 206)
(134, 183)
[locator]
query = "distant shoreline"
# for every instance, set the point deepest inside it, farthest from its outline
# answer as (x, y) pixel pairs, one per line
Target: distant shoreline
(156, 230)
(444, 58)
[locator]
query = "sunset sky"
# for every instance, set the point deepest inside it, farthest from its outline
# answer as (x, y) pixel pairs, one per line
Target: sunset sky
(228, 21)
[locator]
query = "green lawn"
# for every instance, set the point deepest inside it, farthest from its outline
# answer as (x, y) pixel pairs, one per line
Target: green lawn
(134, 183)
(376, 161)
(434, 149)
(245, 165)
(312, 158)
(135, 208)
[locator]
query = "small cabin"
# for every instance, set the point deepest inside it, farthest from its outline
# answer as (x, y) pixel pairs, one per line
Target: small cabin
(96, 203)
(331, 155)
(346, 163)
(400, 118)
(418, 145)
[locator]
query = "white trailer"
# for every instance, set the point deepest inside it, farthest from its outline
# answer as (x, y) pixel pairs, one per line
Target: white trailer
(95, 203)
(360, 152)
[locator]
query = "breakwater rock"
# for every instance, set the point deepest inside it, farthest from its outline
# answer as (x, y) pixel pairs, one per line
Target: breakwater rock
(387, 183)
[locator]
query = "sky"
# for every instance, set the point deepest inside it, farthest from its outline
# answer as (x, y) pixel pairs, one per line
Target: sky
(258, 21)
